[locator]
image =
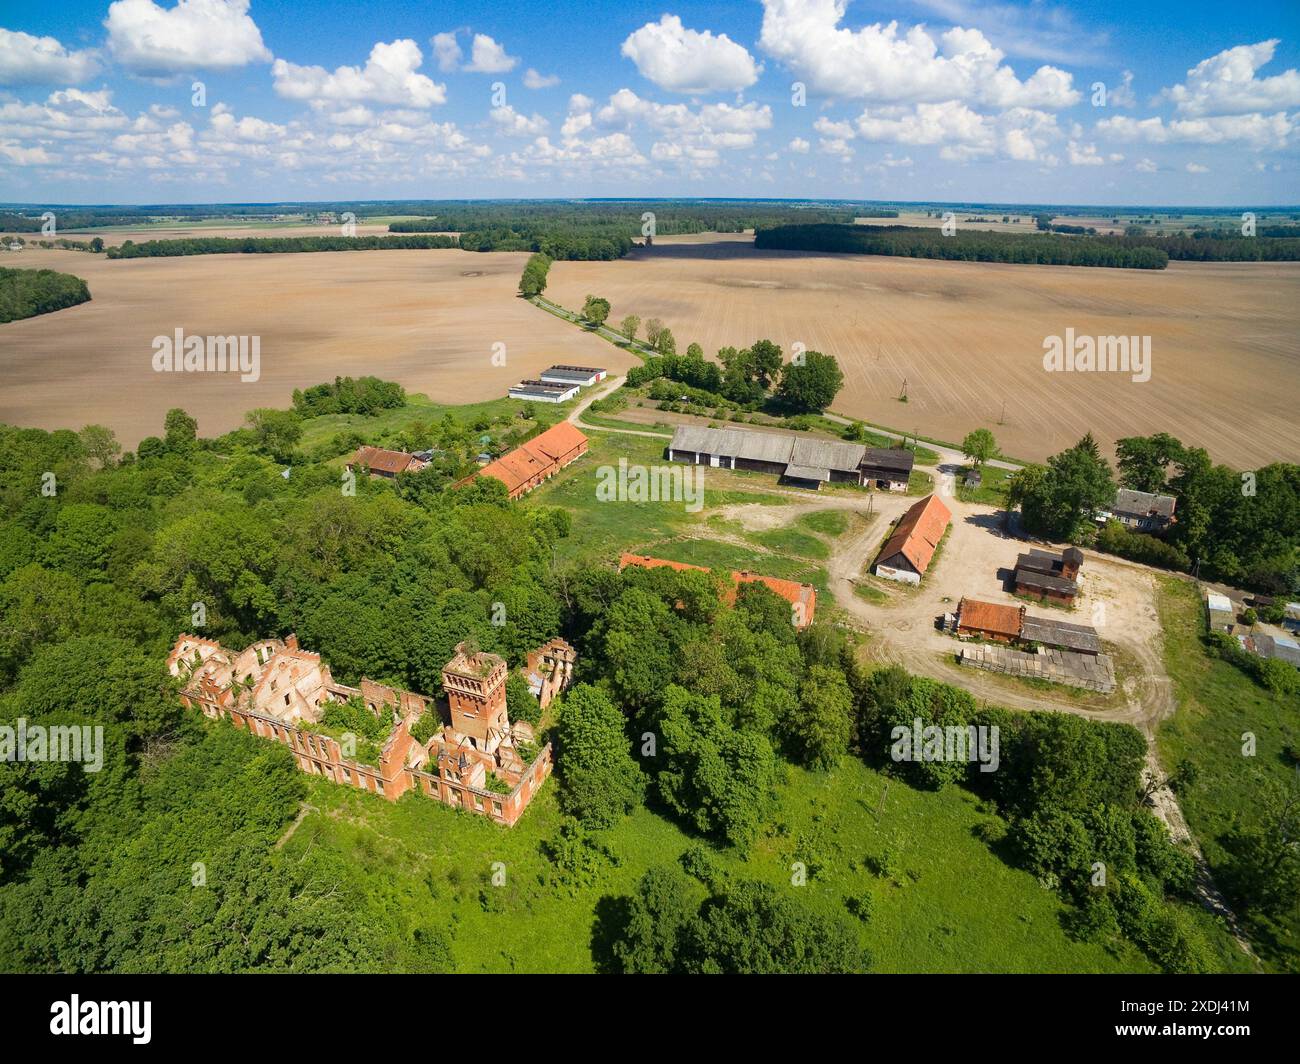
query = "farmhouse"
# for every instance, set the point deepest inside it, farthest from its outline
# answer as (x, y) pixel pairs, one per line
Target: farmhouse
(802, 597)
(538, 391)
(907, 553)
(473, 762)
(584, 376)
(1143, 510)
(1048, 576)
(800, 460)
(888, 468)
(536, 460)
(381, 463)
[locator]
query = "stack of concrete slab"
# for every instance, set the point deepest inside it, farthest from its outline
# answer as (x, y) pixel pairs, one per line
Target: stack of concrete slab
(1094, 672)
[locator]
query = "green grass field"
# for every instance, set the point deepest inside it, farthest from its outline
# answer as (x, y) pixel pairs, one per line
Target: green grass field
(953, 906)
(1217, 705)
(419, 408)
(992, 490)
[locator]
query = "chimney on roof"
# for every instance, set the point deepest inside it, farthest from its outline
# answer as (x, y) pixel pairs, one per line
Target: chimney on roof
(291, 641)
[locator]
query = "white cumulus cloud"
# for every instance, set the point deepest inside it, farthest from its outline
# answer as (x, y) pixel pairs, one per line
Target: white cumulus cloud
(1225, 84)
(389, 77)
(28, 60)
(534, 80)
(154, 41)
(884, 63)
(689, 61)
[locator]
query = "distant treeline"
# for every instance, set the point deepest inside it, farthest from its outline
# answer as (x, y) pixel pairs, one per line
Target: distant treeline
(965, 245)
(1219, 248)
(363, 395)
(26, 293)
(606, 230)
(272, 245)
(28, 220)
(598, 243)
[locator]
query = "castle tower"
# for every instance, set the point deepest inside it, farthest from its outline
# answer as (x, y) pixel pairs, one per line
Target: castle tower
(475, 683)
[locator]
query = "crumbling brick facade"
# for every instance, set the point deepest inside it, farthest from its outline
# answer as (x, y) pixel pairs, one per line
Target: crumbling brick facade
(278, 691)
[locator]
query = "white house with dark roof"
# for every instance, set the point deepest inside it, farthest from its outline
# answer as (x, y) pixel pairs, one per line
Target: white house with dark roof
(1144, 511)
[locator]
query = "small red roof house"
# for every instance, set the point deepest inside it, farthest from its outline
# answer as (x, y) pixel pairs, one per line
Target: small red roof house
(990, 620)
(907, 553)
(536, 460)
(802, 597)
(382, 463)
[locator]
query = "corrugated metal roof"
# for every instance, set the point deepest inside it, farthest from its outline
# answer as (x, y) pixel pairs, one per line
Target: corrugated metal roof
(800, 472)
(829, 453)
(1050, 631)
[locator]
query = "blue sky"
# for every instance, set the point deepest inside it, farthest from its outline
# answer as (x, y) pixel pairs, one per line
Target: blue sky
(913, 99)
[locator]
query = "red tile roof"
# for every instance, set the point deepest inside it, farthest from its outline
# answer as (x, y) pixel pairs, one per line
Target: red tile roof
(538, 457)
(792, 591)
(918, 533)
(379, 460)
(990, 617)
(556, 442)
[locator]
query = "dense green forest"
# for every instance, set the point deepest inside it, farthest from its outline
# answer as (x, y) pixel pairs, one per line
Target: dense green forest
(967, 245)
(274, 245)
(26, 293)
(1061, 246)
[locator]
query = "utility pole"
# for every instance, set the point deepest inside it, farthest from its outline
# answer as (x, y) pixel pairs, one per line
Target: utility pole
(1002, 417)
(904, 395)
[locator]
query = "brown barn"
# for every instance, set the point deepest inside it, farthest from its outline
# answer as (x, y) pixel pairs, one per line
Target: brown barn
(1047, 575)
(989, 620)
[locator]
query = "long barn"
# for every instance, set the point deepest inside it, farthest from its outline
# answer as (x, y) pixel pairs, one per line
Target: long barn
(801, 460)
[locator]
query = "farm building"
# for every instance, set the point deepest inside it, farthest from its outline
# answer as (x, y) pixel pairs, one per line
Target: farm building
(1143, 510)
(1220, 612)
(381, 463)
(907, 553)
(584, 376)
(1047, 575)
(802, 597)
(1276, 647)
(803, 461)
(888, 468)
(536, 391)
(1011, 624)
(1062, 635)
(536, 460)
(989, 620)
(1291, 617)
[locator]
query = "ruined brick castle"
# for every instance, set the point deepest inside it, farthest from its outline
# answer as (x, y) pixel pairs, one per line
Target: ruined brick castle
(276, 690)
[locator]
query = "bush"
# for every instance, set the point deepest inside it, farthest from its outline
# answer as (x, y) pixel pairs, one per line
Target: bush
(1114, 538)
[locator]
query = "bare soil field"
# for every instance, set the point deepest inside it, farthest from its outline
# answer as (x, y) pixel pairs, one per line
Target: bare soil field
(427, 319)
(968, 337)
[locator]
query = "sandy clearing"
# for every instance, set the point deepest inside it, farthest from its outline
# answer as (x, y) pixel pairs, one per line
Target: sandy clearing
(427, 319)
(968, 337)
